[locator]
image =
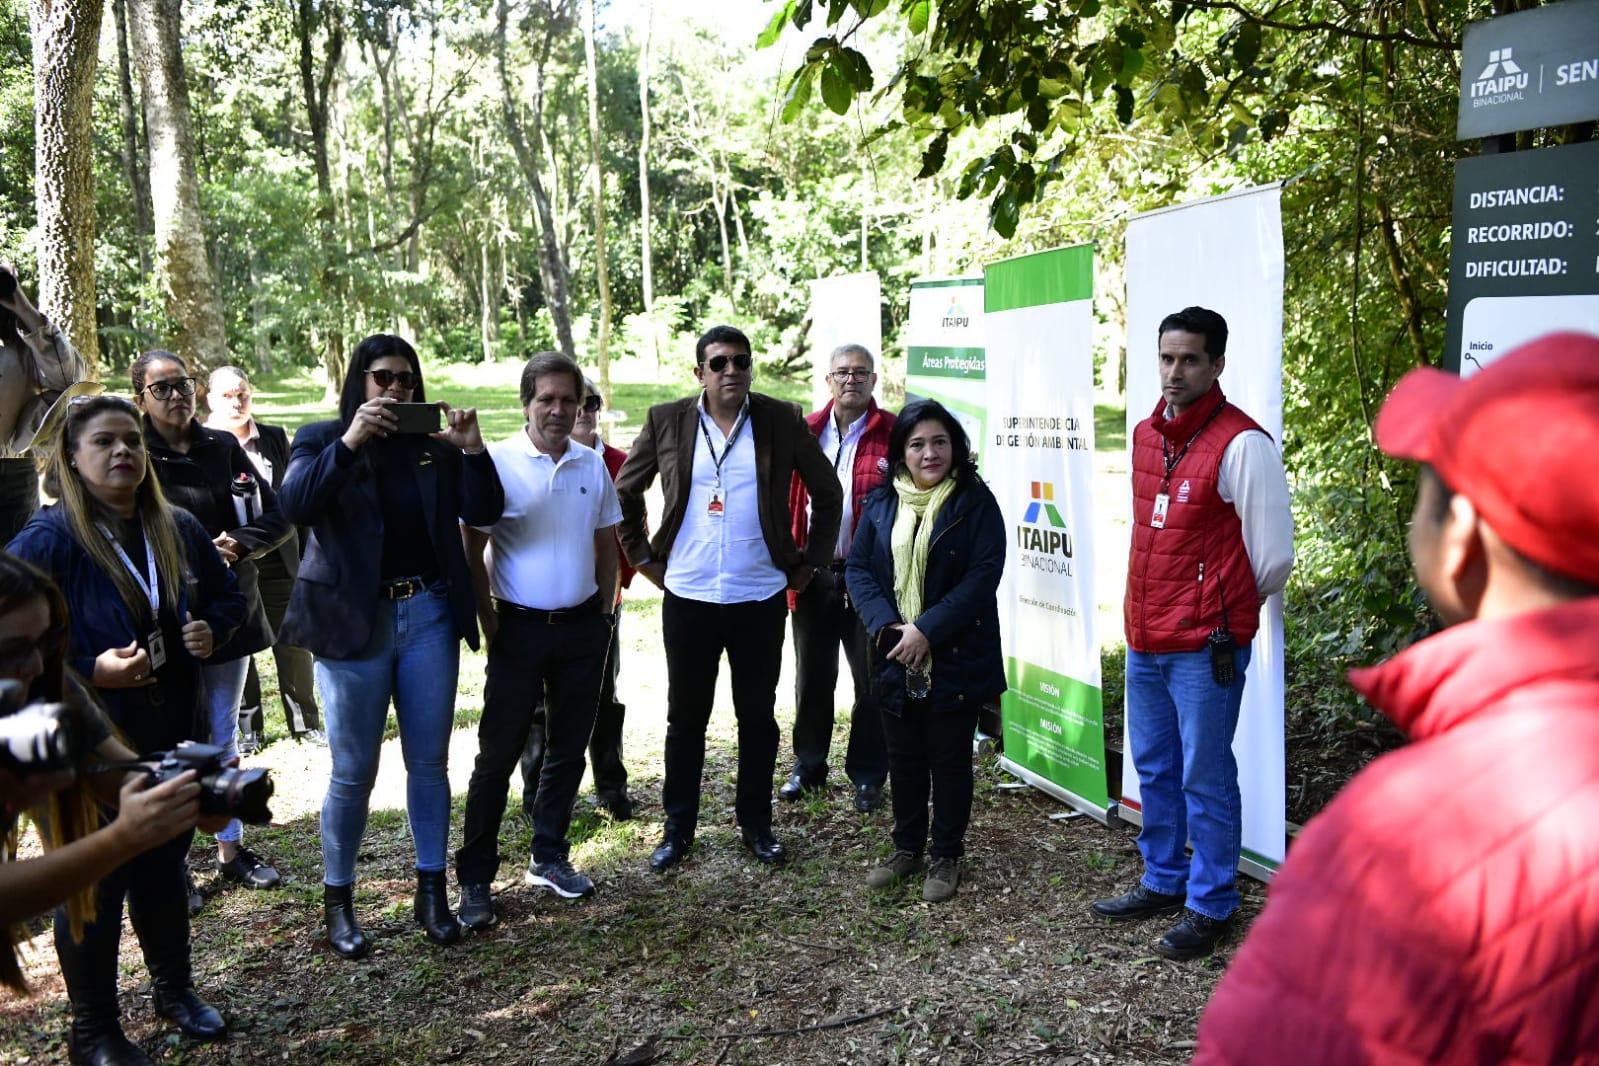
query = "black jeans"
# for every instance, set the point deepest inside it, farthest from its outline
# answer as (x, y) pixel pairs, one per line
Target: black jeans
(695, 634)
(158, 907)
(605, 745)
(930, 749)
(531, 660)
(296, 666)
(823, 620)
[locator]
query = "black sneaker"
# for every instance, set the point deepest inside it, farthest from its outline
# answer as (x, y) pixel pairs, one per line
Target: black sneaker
(1139, 903)
(196, 901)
(1193, 936)
(559, 877)
(477, 906)
(246, 868)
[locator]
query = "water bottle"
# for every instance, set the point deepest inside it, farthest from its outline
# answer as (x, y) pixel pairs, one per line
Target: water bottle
(918, 682)
(246, 498)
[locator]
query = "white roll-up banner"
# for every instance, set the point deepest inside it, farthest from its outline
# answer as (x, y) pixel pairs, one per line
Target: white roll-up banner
(845, 309)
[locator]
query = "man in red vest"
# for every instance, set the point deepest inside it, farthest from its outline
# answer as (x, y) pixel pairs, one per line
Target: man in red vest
(1444, 907)
(1212, 538)
(853, 432)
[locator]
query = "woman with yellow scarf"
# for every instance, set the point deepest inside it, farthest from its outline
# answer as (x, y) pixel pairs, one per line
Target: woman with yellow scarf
(923, 573)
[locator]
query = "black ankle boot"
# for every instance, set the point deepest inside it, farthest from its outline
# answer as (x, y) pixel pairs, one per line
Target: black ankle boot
(96, 1039)
(433, 907)
(339, 913)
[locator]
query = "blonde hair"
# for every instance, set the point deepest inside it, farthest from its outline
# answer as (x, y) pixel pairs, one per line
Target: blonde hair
(84, 512)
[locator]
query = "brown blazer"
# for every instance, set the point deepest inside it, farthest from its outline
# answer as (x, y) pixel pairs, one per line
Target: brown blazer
(784, 446)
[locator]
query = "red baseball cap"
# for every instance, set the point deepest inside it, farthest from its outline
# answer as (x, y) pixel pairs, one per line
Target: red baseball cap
(1520, 440)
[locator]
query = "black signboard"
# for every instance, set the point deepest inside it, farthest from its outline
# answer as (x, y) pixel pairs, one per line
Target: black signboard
(1524, 254)
(1530, 70)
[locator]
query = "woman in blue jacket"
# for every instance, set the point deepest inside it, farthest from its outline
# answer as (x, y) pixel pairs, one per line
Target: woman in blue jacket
(383, 601)
(924, 572)
(149, 599)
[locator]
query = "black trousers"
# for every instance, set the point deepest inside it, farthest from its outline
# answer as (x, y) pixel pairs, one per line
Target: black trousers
(158, 906)
(696, 634)
(296, 666)
(533, 660)
(823, 622)
(930, 750)
(605, 745)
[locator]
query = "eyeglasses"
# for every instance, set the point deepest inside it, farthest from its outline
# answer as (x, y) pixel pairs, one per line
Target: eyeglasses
(844, 374)
(406, 378)
(718, 363)
(164, 390)
(592, 404)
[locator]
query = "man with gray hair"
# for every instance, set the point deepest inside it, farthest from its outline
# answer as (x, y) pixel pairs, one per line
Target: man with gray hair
(546, 602)
(853, 432)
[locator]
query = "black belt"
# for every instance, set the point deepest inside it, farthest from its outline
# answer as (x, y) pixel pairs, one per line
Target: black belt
(566, 615)
(405, 587)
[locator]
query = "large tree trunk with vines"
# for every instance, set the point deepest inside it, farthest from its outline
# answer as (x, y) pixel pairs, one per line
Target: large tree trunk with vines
(66, 37)
(316, 83)
(182, 265)
(602, 342)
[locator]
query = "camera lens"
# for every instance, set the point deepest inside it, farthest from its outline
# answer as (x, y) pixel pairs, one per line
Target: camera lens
(241, 794)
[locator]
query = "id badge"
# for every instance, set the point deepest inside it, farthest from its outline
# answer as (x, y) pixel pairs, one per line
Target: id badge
(715, 507)
(156, 644)
(1158, 518)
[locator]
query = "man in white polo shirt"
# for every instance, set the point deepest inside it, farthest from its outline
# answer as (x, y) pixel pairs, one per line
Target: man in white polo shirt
(548, 629)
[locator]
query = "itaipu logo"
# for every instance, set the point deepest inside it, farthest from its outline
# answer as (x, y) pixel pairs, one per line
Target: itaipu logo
(955, 316)
(1501, 81)
(1043, 532)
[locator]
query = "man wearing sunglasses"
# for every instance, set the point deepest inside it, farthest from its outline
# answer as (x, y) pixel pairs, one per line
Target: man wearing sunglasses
(724, 553)
(853, 432)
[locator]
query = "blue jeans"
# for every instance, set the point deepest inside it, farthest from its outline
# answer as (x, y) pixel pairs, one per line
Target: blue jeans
(1176, 709)
(223, 687)
(412, 658)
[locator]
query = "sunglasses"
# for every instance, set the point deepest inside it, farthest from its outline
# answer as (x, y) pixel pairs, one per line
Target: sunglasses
(165, 390)
(592, 404)
(406, 378)
(718, 363)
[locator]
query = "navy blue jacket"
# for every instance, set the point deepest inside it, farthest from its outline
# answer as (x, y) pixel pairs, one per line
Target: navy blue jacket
(335, 600)
(960, 595)
(101, 620)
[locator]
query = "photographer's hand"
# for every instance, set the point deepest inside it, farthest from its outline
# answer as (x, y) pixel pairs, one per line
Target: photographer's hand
(198, 639)
(371, 420)
(28, 316)
(461, 428)
(153, 814)
(127, 667)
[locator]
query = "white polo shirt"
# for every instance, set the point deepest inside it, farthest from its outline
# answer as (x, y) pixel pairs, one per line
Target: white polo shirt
(541, 551)
(723, 558)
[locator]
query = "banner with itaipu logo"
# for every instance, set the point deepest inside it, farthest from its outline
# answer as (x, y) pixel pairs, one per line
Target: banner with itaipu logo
(1038, 459)
(944, 351)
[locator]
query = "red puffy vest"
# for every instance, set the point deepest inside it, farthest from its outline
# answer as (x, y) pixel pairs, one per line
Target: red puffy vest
(1181, 577)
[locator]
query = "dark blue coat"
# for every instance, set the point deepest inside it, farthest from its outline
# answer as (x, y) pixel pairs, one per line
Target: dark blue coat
(960, 596)
(101, 620)
(335, 600)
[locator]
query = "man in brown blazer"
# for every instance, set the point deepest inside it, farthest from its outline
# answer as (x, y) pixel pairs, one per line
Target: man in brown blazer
(725, 556)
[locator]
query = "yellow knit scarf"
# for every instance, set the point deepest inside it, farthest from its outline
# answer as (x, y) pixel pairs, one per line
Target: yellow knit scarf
(911, 541)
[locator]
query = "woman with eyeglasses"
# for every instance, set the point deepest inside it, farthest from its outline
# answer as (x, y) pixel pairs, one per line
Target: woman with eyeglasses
(383, 601)
(205, 472)
(149, 599)
(923, 571)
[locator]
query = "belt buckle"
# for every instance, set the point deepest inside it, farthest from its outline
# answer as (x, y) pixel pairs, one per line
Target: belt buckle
(403, 589)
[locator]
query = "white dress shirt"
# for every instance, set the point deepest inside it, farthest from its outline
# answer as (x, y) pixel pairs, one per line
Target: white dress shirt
(842, 452)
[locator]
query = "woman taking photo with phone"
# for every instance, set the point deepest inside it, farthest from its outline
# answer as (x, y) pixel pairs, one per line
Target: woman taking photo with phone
(383, 600)
(924, 572)
(205, 472)
(148, 598)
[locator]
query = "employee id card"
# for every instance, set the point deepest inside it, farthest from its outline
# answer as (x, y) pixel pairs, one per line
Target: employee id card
(718, 502)
(1158, 518)
(156, 644)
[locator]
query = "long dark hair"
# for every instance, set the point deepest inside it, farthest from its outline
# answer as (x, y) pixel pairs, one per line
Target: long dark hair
(378, 346)
(71, 813)
(962, 464)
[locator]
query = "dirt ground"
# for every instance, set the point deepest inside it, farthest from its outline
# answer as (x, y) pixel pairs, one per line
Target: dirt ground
(720, 961)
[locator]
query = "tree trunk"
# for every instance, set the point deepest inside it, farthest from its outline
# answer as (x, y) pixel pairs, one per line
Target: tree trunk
(316, 84)
(646, 252)
(602, 343)
(66, 37)
(552, 262)
(133, 150)
(182, 268)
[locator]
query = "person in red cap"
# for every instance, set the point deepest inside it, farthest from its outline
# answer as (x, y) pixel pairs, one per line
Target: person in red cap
(1445, 906)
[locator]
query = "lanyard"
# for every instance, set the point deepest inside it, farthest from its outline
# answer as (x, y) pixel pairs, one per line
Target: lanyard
(732, 439)
(152, 587)
(1165, 450)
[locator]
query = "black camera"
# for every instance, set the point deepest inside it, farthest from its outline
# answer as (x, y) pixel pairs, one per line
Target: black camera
(227, 790)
